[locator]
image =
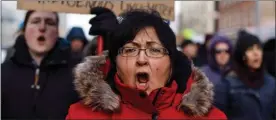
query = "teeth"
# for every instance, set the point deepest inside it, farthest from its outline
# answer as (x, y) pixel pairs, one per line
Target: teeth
(142, 84)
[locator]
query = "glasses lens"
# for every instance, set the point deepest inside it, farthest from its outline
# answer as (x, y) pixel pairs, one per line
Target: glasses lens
(150, 52)
(156, 52)
(128, 51)
(220, 51)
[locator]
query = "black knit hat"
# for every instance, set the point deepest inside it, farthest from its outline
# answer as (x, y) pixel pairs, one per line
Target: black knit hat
(244, 41)
(253, 79)
(186, 42)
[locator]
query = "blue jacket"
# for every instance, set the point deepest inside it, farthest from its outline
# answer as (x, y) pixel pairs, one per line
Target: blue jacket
(240, 102)
(213, 75)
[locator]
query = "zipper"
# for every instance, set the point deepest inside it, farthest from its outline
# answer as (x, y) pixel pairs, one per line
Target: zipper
(36, 87)
(36, 79)
(154, 115)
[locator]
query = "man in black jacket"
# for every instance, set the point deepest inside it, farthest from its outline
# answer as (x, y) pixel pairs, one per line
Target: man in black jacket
(37, 79)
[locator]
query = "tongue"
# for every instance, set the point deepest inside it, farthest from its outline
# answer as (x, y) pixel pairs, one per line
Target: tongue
(142, 85)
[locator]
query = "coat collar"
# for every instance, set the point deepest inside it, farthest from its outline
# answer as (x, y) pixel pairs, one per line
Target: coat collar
(97, 93)
(144, 102)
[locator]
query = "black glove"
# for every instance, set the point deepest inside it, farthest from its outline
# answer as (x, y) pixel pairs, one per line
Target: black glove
(105, 21)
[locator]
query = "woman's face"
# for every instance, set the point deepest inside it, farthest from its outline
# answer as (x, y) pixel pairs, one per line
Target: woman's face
(148, 69)
(222, 55)
(253, 57)
(41, 32)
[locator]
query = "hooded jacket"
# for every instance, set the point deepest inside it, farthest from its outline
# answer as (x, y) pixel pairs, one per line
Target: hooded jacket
(212, 70)
(77, 33)
(51, 98)
(99, 101)
(244, 94)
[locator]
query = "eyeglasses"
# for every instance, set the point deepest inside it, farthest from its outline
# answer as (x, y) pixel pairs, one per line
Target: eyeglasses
(222, 50)
(150, 52)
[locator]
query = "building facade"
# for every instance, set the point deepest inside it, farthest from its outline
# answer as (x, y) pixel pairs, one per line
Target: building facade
(257, 17)
(199, 16)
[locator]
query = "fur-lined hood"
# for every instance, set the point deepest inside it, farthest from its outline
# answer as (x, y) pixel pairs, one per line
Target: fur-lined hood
(96, 93)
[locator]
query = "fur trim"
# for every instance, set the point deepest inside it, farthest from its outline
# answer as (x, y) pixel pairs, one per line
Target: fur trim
(199, 100)
(91, 86)
(96, 93)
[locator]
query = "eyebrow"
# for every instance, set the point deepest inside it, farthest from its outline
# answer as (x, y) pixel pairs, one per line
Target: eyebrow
(135, 44)
(147, 44)
(152, 42)
(46, 18)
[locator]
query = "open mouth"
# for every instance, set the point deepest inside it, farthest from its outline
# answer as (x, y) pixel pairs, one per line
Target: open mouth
(256, 60)
(41, 38)
(142, 80)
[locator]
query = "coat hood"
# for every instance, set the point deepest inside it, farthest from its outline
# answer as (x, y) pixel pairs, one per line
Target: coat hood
(77, 33)
(97, 93)
(211, 52)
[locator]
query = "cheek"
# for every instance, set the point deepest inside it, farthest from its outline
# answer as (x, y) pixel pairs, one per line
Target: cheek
(161, 69)
(30, 33)
(51, 36)
(218, 57)
(30, 36)
(52, 33)
(125, 68)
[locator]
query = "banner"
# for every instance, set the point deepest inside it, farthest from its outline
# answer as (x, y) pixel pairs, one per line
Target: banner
(164, 7)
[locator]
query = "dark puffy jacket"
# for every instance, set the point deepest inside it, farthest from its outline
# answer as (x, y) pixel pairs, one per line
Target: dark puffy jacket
(240, 102)
(51, 99)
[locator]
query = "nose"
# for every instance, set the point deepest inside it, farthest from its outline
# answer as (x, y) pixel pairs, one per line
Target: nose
(42, 27)
(257, 52)
(142, 58)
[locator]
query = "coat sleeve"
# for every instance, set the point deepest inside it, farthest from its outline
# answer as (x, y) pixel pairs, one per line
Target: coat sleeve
(222, 95)
(71, 110)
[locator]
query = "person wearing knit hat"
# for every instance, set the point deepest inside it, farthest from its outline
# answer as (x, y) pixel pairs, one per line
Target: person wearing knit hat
(247, 92)
(219, 58)
(189, 48)
(148, 77)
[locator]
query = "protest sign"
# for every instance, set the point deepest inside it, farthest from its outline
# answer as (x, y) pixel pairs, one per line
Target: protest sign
(164, 7)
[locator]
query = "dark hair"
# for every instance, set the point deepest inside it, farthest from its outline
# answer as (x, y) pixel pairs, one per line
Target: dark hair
(186, 42)
(27, 16)
(253, 79)
(131, 23)
(136, 20)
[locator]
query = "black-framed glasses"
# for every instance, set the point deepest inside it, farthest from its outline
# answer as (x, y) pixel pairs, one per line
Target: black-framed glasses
(150, 52)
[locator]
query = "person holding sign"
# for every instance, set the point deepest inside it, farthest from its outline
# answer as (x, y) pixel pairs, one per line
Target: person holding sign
(37, 79)
(147, 77)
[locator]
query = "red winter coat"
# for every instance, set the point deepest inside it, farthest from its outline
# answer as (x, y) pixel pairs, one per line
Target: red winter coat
(100, 102)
